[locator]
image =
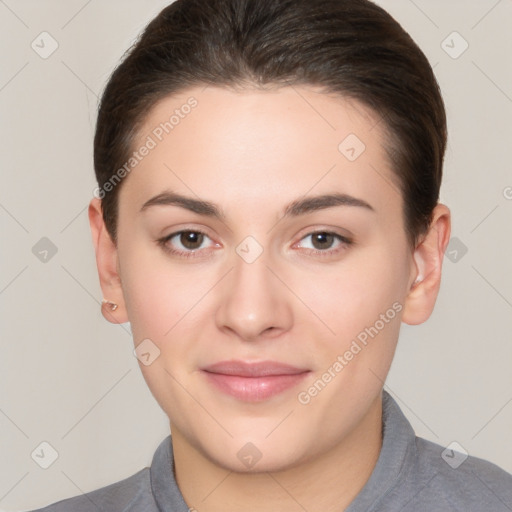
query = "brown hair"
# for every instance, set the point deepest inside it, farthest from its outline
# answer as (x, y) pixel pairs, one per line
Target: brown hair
(349, 47)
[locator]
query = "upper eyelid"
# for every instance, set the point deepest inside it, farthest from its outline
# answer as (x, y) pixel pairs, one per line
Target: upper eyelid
(186, 230)
(332, 231)
(170, 236)
(307, 233)
(341, 238)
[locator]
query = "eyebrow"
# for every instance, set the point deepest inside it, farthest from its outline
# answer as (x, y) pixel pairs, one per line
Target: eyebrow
(194, 205)
(312, 204)
(294, 209)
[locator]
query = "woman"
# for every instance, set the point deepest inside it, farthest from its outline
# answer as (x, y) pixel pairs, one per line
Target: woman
(266, 217)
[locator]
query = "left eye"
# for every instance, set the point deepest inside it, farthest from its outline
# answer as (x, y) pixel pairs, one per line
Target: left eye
(323, 241)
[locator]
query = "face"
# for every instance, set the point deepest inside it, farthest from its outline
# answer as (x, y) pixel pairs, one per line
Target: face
(262, 251)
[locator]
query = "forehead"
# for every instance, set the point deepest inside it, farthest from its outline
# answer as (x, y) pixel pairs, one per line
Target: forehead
(257, 145)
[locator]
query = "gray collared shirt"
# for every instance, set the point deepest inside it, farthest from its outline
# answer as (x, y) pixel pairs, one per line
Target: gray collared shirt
(411, 475)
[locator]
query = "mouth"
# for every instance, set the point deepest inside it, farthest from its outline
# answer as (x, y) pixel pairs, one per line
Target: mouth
(253, 382)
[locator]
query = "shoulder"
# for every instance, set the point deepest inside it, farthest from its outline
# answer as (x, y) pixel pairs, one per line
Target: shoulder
(416, 475)
(460, 481)
(131, 494)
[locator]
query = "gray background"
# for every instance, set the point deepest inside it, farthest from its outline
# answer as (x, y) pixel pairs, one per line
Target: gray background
(70, 379)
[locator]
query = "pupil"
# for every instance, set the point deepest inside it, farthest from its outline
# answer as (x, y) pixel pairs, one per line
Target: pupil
(322, 240)
(191, 239)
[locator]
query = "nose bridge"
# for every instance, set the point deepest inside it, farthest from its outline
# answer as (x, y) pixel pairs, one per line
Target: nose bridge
(252, 302)
(251, 275)
(250, 281)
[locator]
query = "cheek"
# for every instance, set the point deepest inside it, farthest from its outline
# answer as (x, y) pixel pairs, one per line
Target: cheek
(160, 303)
(155, 294)
(355, 294)
(362, 305)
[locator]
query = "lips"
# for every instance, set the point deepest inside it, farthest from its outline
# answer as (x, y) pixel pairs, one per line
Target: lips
(253, 382)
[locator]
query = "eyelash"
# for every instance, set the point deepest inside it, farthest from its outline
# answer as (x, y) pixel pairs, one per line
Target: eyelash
(164, 243)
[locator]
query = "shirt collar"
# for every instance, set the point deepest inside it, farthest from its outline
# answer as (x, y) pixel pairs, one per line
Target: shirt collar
(398, 444)
(163, 482)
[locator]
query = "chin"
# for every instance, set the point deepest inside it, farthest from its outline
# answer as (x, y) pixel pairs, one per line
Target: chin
(244, 456)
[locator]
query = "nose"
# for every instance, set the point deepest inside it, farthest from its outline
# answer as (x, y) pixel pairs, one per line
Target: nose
(254, 304)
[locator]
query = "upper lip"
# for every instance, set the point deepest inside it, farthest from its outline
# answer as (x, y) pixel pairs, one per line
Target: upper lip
(246, 369)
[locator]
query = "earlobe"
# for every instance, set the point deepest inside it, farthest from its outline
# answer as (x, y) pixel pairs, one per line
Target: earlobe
(106, 262)
(428, 258)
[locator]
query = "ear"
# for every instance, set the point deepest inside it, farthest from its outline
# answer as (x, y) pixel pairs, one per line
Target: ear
(428, 258)
(106, 261)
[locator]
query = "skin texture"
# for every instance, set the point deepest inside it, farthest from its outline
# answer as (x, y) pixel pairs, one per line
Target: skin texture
(253, 153)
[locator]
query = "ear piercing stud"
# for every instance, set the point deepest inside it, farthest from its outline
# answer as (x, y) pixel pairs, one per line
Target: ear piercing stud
(111, 305)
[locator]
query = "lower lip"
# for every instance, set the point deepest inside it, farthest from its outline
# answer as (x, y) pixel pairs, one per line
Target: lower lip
(254, 389)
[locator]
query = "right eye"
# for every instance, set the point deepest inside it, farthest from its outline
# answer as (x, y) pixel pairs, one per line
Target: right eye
(187, 243)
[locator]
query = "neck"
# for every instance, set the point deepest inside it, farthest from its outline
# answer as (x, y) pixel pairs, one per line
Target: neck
(329, 482)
